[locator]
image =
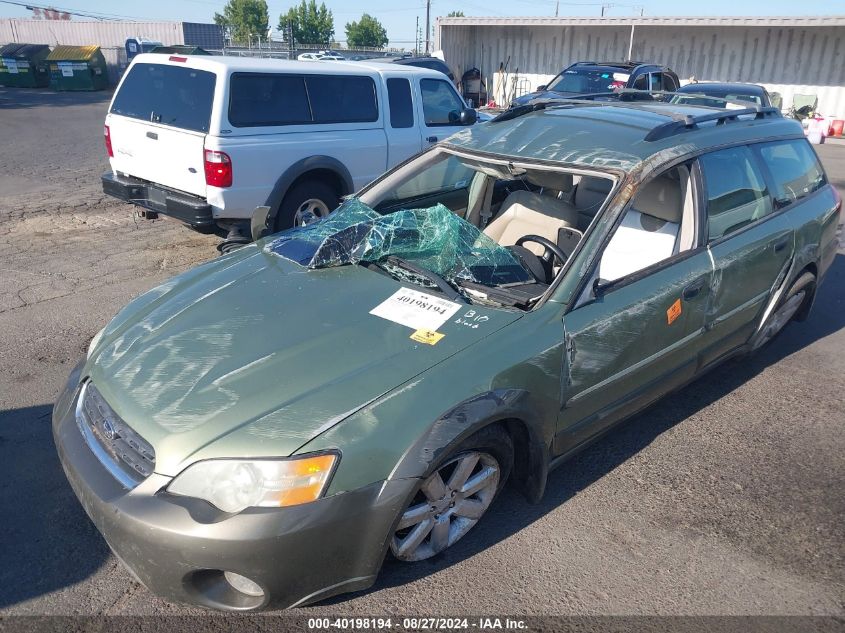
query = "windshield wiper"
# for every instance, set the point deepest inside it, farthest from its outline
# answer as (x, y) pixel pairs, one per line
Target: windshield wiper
(448, 289)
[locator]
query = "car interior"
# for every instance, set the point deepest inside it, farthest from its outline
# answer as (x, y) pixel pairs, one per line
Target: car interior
(541, 214)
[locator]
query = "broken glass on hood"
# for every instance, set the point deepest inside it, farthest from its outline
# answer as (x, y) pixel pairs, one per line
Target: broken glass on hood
(433, 238)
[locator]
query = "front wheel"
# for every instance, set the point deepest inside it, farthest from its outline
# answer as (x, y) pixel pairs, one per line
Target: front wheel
(453, 497)
(305, 203)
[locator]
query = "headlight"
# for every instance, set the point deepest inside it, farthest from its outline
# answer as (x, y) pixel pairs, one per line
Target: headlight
(94, 341)
(235, 484)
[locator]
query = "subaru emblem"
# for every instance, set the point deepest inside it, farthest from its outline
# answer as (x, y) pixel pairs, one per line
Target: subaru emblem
(108, 430)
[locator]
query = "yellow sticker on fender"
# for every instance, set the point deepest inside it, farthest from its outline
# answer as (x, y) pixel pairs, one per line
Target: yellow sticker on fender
(427, 336)
(674, 311)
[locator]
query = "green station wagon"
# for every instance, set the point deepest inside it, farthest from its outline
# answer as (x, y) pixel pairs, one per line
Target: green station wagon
(261, 431)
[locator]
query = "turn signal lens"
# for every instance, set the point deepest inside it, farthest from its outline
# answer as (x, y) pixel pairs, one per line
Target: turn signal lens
(234, 485)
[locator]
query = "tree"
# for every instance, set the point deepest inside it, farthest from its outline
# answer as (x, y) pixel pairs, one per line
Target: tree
(308, 23)
(244, 19)
(366, 32)
(455, 14)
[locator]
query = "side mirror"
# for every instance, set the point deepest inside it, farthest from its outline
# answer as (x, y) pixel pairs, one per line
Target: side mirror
(601, 286)
(468, 116)
(258, 224)
(541, 87)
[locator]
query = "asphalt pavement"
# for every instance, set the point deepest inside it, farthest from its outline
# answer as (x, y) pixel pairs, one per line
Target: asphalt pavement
(724, 498)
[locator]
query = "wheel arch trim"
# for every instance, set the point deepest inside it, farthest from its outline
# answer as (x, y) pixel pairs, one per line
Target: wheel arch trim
(511, 408)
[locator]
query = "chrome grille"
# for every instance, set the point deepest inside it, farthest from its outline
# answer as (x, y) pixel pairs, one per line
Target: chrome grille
(124, 453)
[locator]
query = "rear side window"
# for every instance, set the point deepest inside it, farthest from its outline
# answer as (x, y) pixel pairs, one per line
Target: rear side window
(342, 99)
(258, 100)
(795, 170)
(171, 95)
(275, 99)
(669, 84)
(736, 191)
(401, 105)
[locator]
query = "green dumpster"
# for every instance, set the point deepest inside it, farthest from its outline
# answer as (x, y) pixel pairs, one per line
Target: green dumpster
(6, 75)
(77, 68)
(180, 49)
(24, 65)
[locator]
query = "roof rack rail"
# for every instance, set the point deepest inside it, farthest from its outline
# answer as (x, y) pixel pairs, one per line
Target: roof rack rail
(684, 123)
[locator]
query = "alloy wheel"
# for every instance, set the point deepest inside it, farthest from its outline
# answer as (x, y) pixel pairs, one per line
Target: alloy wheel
(310, 211)
(449, 503)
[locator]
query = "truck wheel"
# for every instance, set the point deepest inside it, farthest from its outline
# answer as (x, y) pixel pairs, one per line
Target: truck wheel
(306, 202)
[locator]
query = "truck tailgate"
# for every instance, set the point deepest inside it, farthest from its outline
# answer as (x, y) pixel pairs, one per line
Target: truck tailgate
(158, 153)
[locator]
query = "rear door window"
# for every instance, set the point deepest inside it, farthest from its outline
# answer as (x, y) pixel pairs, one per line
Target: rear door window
(401, 104)
(258, 99)
(669, 84)
(177, 96)
(795, 170)
(736, 191)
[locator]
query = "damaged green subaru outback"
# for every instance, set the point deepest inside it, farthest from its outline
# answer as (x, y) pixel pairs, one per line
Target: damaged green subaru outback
(264, 429)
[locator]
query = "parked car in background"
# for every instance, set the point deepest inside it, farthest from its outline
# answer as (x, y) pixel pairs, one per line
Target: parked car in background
(432, 63)
(600, 77)
(208, 139)
(262, 430)
(721, 93)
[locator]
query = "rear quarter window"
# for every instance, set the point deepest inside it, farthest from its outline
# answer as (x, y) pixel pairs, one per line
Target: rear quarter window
(177, 96)
(795, 169)
(269, 99)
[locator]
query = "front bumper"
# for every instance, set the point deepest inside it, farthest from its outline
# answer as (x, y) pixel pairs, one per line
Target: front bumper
(179, 547)
(189, 209)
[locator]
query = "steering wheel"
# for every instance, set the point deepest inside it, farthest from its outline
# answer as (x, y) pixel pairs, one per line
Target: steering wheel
(552, 251)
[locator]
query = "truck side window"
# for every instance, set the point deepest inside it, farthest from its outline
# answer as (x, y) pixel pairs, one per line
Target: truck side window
(342, 98)
(736, 191)
(795, 170)
(401, 105)
(441, 104)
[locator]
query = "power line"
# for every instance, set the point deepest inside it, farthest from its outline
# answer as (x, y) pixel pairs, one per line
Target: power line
(83, 14)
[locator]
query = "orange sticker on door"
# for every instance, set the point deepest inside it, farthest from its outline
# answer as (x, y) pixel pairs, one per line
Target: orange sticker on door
(674, 311)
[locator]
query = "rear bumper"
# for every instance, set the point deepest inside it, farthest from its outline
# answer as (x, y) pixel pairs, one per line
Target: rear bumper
(189, 209)
(179, 547)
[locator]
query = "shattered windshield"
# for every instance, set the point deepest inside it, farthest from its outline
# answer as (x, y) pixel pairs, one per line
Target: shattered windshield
(434, 239)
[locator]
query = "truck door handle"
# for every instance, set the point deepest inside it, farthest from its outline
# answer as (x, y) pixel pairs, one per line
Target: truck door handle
(692, 291)
(781, 244)
(431, 139)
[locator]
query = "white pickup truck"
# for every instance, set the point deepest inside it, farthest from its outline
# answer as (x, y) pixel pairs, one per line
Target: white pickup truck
(207, 139)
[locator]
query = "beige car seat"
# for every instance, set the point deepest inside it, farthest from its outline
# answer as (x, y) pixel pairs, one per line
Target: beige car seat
(530, 213)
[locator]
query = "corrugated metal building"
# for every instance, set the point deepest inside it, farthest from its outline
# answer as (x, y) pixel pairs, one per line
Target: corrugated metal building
(789, 55)
(109, 35)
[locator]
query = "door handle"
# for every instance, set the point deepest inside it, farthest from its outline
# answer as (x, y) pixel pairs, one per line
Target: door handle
(781, 244)
(693, 290)
(431, 139)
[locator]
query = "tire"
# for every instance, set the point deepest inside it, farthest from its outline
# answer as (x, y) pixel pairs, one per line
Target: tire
(789, 305)
(470, 477)
(323, 197)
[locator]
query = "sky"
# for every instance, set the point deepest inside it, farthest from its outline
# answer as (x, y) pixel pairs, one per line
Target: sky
(399, 16)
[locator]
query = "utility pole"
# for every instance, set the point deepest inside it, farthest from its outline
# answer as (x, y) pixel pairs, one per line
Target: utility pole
(427, 25)
(557, 7)
(417, 38)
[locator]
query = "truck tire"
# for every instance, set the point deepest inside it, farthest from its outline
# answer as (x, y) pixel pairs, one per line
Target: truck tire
(305, 202)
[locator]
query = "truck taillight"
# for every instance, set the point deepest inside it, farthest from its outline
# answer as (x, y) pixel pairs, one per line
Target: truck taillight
(218, 169)
(107, 137)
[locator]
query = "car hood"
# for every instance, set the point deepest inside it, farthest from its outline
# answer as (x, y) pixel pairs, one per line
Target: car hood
(542, 94)
(253, 355)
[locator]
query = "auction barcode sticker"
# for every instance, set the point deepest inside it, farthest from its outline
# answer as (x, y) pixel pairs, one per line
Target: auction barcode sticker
(416, 310)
